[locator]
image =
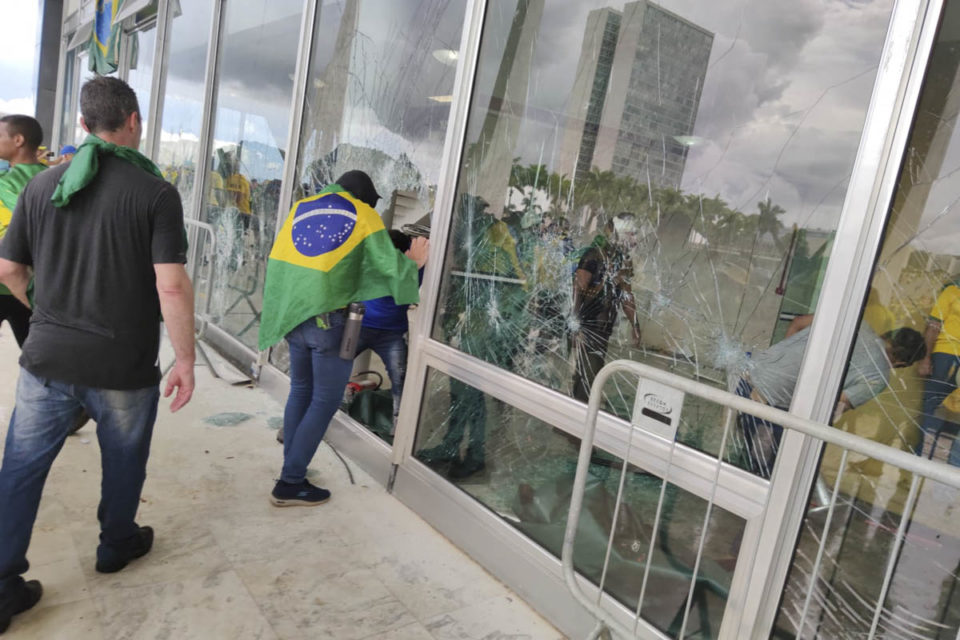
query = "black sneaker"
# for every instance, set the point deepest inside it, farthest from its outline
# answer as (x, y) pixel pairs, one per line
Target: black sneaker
(17, 600)
(112, 558)
(302, 494)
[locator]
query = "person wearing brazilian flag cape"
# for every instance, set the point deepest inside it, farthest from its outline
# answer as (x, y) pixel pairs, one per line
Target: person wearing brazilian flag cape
(333, 250)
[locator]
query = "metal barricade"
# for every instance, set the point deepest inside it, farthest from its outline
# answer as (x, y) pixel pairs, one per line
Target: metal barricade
(203, 255)
(611, 622)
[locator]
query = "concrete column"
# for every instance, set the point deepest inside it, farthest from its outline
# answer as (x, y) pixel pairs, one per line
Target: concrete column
(48, 57)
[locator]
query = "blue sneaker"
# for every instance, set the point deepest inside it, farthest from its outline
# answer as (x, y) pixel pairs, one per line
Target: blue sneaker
(301, 494)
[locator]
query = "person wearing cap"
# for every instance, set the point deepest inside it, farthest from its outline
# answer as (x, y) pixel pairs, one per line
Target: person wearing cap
(66, 154)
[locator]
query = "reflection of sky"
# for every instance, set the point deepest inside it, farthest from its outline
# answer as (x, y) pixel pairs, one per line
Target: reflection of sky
(18, 62)
(782, 107)
(393, 76)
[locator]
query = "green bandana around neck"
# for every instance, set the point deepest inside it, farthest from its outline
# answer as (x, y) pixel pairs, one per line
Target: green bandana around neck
(86, 163)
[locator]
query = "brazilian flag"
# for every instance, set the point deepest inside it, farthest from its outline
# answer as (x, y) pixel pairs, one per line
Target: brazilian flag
(12, 183)
(332, 250)
(105, 41)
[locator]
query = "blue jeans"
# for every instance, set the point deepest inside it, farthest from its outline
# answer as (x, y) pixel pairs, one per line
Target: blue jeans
(391, 346)
(939, 385)
(318, 377)
(44, 413)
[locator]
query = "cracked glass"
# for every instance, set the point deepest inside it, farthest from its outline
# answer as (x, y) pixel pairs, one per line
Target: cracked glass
(255, 72)
(912, 309)
(378, 99)
(655, 182)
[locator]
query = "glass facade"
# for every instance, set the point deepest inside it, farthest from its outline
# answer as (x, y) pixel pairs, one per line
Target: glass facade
(178, 153)
(378, 98)
(258, 57)
(660, 182)
(912, 305)
(672, 201)
(652, 566)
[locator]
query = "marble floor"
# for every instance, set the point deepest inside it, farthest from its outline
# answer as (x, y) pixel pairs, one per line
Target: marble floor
(227, 564)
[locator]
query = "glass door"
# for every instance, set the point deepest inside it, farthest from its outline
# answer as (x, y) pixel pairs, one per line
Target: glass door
(664, 191)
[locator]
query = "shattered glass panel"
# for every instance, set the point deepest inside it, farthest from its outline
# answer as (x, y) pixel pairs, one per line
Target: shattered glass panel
(178, 153)
(913, 311)
(257, 62)
(522, 469)
(378, 99)
(653, 181)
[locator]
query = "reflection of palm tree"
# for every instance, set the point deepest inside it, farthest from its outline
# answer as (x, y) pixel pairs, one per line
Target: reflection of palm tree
(768, 221)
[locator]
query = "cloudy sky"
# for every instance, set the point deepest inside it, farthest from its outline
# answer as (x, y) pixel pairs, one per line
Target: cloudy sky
(782, 106)
(17, 92)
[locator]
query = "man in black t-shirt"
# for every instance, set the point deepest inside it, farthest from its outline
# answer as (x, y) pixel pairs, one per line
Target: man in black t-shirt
(104, 238)
(601, 285)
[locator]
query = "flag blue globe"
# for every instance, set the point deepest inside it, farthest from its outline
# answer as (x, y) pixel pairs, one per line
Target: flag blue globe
(322, 225)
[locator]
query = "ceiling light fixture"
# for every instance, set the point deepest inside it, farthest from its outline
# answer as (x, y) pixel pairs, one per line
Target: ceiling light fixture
(446, 56)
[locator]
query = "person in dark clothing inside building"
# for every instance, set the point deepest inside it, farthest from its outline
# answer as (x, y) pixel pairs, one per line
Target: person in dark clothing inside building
(601, 285)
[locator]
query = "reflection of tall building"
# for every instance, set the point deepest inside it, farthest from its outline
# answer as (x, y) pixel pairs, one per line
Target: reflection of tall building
(636, 94)
(493, 154)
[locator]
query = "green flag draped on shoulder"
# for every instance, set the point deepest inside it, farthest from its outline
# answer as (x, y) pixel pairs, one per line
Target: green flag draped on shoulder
(85, 164)
(12, 183)
(332, 250)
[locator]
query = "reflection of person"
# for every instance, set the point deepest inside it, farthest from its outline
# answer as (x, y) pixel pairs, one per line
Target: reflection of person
(481, 320)
(20, 136)
(941, 367)
(104, 235)
(384, 330)
(601, 284)
(238, 192)
(332, 251)
(771, 376)
(215, 195)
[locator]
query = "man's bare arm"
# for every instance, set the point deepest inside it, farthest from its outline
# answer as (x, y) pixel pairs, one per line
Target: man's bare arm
(16, 277)
(176, 306)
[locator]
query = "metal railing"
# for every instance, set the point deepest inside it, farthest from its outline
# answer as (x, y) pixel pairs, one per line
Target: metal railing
(203, 253)
(609, 621)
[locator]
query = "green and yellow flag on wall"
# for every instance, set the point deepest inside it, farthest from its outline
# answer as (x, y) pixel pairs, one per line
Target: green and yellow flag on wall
(105, 41)
(332, 250)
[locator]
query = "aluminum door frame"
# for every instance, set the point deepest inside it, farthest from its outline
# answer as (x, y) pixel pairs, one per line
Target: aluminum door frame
(903, 61)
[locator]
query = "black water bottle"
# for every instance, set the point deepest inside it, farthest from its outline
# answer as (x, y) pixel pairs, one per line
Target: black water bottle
(351, 330)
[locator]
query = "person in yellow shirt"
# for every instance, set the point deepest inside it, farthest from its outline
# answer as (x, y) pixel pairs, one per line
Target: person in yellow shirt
(940, 367)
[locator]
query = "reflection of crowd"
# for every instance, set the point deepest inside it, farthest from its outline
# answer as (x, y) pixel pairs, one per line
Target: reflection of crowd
(527, 295)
